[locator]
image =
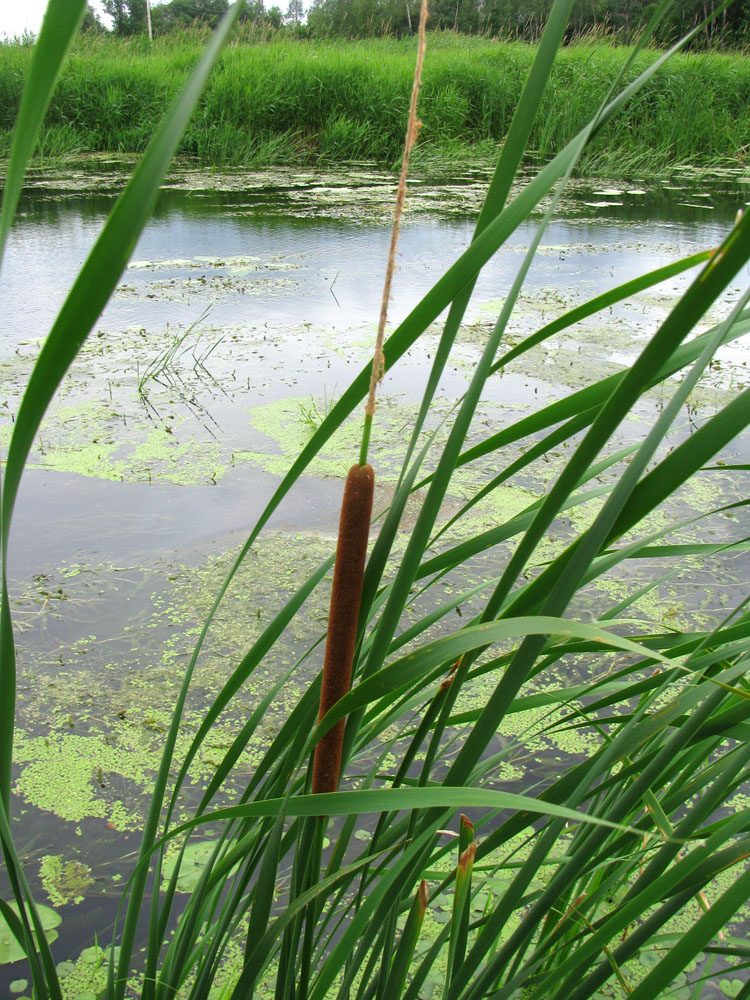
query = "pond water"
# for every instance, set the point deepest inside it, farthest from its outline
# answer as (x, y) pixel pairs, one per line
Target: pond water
(281, 306)
(241, 317)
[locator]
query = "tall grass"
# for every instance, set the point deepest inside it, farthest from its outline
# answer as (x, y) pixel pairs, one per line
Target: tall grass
(622, 868)
(282, 100)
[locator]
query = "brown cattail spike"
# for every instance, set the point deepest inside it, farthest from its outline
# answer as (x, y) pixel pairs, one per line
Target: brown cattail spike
(346, 594)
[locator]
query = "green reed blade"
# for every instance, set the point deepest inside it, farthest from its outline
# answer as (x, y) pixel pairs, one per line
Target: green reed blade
(394, 986)
(90, 293)
(405, 672)
(689, 944)
(497, 194)
(103, 267)
(346, 803)
(593, 396)
(58, 30)
(704, 290)
(252, 659)
(601, 302)
(43, 973)
(698, 449)
(701, 709)
(619, 505)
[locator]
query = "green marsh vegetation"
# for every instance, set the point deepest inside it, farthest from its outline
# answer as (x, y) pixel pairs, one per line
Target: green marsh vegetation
(613, 875)
(276, 99)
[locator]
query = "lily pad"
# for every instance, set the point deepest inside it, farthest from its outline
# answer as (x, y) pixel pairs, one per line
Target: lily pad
(93, 955)
(730, 987)
(18, 985)
(10, 949)
(194, 860)
(648, 959)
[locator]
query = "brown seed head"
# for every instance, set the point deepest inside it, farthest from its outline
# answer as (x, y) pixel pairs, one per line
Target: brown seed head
(346, 594)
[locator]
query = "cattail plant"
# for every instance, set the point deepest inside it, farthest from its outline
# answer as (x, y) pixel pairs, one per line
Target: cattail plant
(592, 872)
(356, 506)
(351, 552)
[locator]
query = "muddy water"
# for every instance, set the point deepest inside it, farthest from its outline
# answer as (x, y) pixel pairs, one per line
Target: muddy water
(241, 317)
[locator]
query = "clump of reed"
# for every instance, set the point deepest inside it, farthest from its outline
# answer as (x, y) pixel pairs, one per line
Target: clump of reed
(287, 100)
(623, 868)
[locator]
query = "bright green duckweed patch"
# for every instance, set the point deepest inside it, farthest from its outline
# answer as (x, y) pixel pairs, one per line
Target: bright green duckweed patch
(64, 881)
(100, 739)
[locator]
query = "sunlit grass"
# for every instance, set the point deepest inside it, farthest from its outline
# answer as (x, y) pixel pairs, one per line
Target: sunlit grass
(286, 100)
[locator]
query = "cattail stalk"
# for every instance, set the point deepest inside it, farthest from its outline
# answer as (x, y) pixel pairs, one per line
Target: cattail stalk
(346, 594)
(356, 507)
(412, 131)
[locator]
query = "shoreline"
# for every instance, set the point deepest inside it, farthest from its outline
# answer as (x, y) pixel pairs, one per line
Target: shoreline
(296, 103)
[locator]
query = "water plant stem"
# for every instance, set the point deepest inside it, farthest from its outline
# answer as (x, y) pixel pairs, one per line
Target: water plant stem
(412, 131)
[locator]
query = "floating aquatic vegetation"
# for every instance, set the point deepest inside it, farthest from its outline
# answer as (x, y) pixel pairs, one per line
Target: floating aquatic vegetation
(10, 950)
(64, 880)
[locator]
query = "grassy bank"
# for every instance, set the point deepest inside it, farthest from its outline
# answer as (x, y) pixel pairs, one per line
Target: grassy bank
(291, 101)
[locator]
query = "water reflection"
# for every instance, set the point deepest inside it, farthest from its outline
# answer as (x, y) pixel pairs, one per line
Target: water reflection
(333, 268)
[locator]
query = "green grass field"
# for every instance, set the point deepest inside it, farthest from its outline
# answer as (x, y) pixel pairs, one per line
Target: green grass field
(283, 100)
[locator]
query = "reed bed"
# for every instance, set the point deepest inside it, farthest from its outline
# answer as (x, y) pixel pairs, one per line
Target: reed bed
(285, 100)
(615, 874)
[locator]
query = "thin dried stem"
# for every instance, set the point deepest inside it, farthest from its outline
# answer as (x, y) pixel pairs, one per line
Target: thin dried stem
(412, 131)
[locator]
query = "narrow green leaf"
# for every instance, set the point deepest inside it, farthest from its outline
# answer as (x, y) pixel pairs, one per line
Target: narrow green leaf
(408, 943)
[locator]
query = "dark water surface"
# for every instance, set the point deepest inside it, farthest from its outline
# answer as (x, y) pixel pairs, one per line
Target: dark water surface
(52, 238)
